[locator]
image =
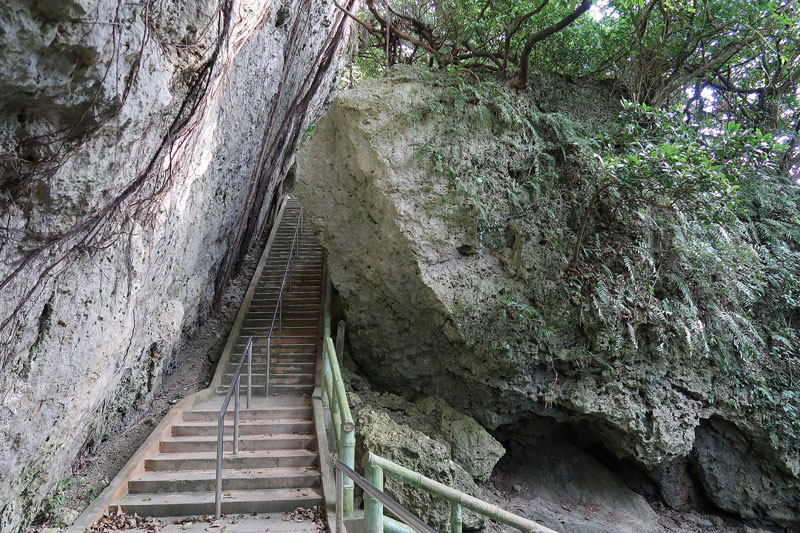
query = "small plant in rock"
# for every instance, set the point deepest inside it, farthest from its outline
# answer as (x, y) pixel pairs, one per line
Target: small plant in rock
(57, 500)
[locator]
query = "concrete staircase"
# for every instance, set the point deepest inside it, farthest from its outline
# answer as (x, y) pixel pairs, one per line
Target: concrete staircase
(294, 345)
(277, 467)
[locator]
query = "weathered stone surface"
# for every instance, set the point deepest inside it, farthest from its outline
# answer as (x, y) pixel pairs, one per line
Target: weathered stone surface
(444, 297)
(377, 432)
(735, 481)
(92, 341)
(568, 490)
(470, 445)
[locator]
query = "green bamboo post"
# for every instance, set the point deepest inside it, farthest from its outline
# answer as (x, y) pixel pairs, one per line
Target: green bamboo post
(390, 525)
(415, 479)
(347, 454)
(327, 323)
(455, 517)
(336, 419)
(326, 376)
(373, 509)
(347, 441)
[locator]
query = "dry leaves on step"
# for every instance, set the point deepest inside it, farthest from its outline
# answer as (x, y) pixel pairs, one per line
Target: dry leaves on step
(118, 520)
(301, 514)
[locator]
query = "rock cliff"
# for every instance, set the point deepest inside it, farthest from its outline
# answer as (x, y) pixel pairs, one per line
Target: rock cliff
(142, 147)
(449, 210)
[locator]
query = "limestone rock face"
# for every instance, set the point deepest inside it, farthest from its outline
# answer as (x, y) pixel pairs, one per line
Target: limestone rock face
(408, 443)
(735, 481)
(452, 279)
(93, 96)
(567, 489)
(470, 445)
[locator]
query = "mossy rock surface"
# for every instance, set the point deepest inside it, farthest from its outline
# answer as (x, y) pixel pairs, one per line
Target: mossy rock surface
(449, 213)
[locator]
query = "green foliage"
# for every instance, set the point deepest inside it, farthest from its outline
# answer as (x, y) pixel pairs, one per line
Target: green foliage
(691, 257)
(716, 61)
(56, 501)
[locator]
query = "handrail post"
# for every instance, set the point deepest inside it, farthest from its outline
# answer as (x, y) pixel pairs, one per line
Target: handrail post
(326, 387)
(347, 453)
(336, 416)
(339, 500)
(266, 384)
(249, 369)
(218, 495)
(236, 417)
(456, 519)
(373, 509)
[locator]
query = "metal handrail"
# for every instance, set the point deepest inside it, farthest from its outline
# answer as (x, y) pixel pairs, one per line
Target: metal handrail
(398, 510)
(375, 466)
(334, 397)
(237, 378)
(278, 312)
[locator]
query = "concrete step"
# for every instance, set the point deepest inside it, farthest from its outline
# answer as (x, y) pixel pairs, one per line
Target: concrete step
(244, 459)
(275, 378)
(289, 308)
(210, 414)
(258, 367)
(307, 322)
(248, 443)
(286, 329)
(233, 502)
(260, 312)
(205, 480)
(295, 291)
(246, 427)
(274, 390)
(297, 284)
(278, 348)
(289, 301)
(260, 356)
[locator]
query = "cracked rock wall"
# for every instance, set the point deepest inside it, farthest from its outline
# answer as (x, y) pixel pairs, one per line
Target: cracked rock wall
(452, 280)
(88, 90)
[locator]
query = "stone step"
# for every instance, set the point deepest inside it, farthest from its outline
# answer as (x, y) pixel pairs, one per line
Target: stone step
(246, 427)
(249, 443)
(233, 502)
(248, 459)
(205, 480)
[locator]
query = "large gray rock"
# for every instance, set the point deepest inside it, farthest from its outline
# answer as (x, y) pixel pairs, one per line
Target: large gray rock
(449, 217)
(470, 444)
(737, 483)
(379, 433)
(568, 490)
(102, 81)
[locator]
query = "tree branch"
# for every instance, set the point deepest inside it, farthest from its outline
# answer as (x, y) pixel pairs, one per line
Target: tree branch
(521, 80)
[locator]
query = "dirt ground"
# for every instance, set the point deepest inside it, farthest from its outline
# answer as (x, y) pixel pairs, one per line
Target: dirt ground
(191, 370)
(577, 517)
